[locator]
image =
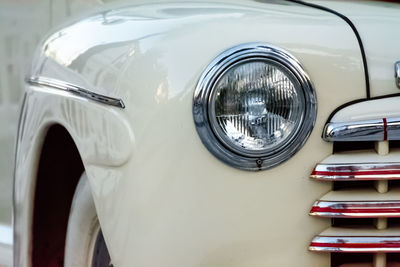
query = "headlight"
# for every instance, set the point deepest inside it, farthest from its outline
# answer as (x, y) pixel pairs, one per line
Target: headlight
(254, 106)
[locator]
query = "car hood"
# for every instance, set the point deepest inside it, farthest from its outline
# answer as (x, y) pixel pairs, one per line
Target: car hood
(378, 24)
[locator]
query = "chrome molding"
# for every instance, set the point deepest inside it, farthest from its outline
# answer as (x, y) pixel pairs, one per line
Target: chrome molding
(372, 130)
(354, 131)
(356, 209)
(356, 171)
(57, 84)
(397, 73)
(204, 89)
(355, 244)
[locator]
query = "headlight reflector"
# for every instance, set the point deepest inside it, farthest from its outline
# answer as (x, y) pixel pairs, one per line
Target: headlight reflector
(254, 107)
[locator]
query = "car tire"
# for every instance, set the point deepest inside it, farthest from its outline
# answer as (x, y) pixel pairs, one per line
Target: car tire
(85, 245)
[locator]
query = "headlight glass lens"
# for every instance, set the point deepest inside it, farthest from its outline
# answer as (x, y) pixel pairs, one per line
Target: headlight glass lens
(256, 106)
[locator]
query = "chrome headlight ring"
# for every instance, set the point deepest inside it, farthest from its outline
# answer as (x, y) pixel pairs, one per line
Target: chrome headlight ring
(203, 107)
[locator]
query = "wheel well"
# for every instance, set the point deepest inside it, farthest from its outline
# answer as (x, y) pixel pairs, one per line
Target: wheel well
(60, 168)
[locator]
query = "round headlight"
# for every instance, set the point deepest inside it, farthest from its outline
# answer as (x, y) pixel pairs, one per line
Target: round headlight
(254, 106)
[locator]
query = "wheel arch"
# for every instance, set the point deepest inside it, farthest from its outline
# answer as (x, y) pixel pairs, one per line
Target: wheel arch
(58, 132)
(59, 169)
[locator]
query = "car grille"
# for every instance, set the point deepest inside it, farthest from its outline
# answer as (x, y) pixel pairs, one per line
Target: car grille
(364, 205)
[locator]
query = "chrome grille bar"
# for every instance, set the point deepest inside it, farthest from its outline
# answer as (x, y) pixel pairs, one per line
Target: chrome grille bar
(356, 209)
(357, 171)
(354, 244)
(356, 131)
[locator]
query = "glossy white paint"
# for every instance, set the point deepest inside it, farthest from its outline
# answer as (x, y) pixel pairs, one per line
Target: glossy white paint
(369, 110)
(101, 133)
(161, 197)
(377, 22)
(158, 191)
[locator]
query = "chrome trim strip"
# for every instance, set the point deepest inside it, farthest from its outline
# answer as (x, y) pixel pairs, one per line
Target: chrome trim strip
(356, 209)
(397, 73)
(371, 130)
(354, 131)
(74, 89)
(356, 171)
(354, 244)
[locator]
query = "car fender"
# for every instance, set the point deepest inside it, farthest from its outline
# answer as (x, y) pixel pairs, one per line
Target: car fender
(161, 197)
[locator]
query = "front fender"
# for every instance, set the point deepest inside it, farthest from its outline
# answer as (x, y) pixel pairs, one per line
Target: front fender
(101, 134)
(171, 203)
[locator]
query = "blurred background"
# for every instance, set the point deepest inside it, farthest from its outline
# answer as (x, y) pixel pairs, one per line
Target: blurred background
(23, 24)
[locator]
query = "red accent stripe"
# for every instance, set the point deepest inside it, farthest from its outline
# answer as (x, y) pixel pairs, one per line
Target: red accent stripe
(355, 173)
(357, 245)
(355, 210)
(385, 135)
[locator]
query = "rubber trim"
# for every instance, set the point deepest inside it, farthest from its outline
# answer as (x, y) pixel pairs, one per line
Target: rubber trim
(350, 23)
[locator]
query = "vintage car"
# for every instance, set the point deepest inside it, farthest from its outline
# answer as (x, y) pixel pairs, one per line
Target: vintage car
(212, 134)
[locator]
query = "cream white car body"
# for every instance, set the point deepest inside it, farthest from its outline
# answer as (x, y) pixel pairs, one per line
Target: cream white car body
(161, 197)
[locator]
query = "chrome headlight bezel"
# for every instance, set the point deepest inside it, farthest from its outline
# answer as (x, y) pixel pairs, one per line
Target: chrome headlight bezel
(204, 90)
